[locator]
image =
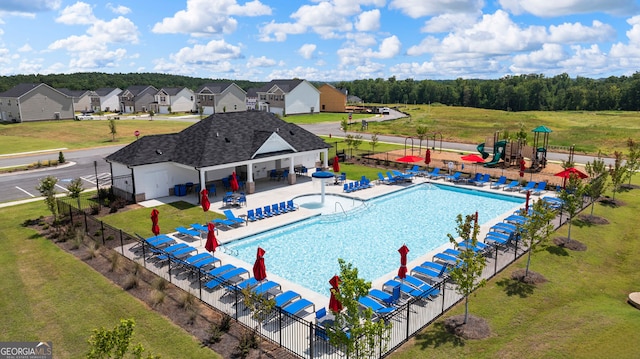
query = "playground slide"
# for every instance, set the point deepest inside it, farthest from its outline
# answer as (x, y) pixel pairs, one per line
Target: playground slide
(498, 153)
(480, 149)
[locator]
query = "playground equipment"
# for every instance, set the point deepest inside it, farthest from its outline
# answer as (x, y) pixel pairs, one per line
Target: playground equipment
(539, 149)
(504, 152)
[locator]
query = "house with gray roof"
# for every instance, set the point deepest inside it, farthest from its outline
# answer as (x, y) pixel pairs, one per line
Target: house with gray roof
(137, 98)
(105, 99)
(35, 102)
(81, 99)
(219, 97)
(289, 97)
(250, 143)
(174, 99)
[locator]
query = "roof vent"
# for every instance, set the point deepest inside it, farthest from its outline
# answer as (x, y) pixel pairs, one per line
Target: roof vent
(277, 129)
(291, 132)
(159, 151)
(227, 140)
(217, 134)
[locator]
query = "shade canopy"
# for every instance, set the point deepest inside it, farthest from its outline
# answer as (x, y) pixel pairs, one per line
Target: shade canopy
(322, 174)
(542, 129)
(402, 271)
(335, 305)
(155, 228)
(204, 200)
(410, 159)
(259, 270)
(212, 241)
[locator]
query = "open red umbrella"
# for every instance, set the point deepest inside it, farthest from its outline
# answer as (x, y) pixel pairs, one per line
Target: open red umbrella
(523, 166)
(472, 158)
(259, 271)
(212, 241)
(154, 222)
(336, 164)
(204, 199)
(234, 182)
(334, 305)
(571, 171)
(410, 159)
(402, 271)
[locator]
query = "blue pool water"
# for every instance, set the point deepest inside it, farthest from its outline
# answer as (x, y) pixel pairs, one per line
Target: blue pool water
(369, 236)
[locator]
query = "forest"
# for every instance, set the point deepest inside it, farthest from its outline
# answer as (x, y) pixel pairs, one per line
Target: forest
(533, 92)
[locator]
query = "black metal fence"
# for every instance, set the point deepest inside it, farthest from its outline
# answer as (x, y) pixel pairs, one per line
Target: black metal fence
(297, 335)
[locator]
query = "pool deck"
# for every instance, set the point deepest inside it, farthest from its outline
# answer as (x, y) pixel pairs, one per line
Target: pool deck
(270, 192)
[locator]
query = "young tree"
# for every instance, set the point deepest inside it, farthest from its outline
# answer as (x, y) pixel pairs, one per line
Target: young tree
(112, 129)
(374, 142)
(61, 159)
(571, 197)
(260, 306)
(151, 114)
(356, 142)
(348, 140)
(344, 125)
(75, 188)
(47, 188)
(598, 184)
(536, 229)
(617, 173)
(466, 274)
(421, 132)
(115, 343)
(365, 335)
(633, 158)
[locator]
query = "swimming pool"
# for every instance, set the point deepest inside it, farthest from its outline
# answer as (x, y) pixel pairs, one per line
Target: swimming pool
(369, 236)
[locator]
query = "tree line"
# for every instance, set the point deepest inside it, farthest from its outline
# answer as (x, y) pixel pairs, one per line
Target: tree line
(533, 92)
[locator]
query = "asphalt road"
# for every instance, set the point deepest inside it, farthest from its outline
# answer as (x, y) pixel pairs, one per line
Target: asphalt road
(22, 185)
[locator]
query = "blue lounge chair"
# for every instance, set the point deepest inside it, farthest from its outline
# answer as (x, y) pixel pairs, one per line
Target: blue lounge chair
(516, 219)
(291, 206)
(445, 258)
(265, 287)
(167, 250)
(232, 217)
(232, 276)
(539, 188)
(501, 182)
(345, 188)
(381, 296)
(259, 214)
(475, 178)
(454, 177)
(199, 227)
(221, 270)
(486, 178)
(381, 179)
(207, 261)
(497, 238)
(283, 207)
(505, 227)
(187, 232)
(285, 298)
(159, 241)
(195, 258)
(435, 173)
(275, 209)
(441, 269)
(512, 186)
(375, 306)
(426, 273)
(426, 289)
(224, 222)
(251, 215)
(298, 307)
(406, 289)
(178, 253)
(267, 211)
(530, 186)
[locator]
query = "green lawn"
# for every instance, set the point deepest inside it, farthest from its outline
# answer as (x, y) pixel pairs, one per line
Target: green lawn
(48, 295)
(581, 312)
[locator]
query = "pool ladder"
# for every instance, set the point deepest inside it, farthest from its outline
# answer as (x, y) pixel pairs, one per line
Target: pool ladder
(335, 209)
(230, 251)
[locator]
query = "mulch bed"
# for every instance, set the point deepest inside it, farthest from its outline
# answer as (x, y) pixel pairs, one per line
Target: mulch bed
(196, 319)
(532, 278)
(475, 328)
(570, 244)
(593, 219)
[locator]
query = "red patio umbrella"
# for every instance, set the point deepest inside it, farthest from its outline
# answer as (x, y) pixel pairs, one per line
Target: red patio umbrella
(204, 199)
(234, 182)
(154, 222)
(523, 166)
(571, 171)
(259, 271)
(336, 164)
(410, 159)
(212, 241)
(402, 271)
(334, 305)
(472, 158)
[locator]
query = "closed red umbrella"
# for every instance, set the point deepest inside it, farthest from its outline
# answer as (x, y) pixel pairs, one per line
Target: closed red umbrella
(204, 200)
(334, 305)
(336, 164)
(154, 222)
(234, 182)
(523, 166)
(212, 241)
(526, 204)
(427, 157)
(259, 270)
(402, 271)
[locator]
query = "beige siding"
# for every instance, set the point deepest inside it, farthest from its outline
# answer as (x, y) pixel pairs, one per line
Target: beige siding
(43, 103)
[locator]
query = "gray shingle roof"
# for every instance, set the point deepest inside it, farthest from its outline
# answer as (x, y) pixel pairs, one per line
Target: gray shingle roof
(284, 85)
(222, 138)
(104, 91)
(215, 87)
(21, 89)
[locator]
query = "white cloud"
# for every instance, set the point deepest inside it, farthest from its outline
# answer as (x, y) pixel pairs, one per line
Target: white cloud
(450, 22)
(549, 8)
(422, 8)
(368, 21)
(25, 48)
(261, 61)
(99, 35)
(428, 44)
(628, 54)
(576, 32)
(278, 31)
(118, 9)
(306, 50)
(547, 57)
(79, 13)
(215, 52)
(389, 48)
(206, 17)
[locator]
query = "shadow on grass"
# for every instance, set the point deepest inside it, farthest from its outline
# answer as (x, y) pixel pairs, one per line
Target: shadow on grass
(515, 287)
(557, 250)
(582, 223)
(437, 336)
(181, 205)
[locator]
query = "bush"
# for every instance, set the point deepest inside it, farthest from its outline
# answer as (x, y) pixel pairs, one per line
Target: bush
(225, 324)
(95, 208)
(61, 158)
(131, 281)
(247, 342)
(187, 301)
(160, 284)
(158, 298)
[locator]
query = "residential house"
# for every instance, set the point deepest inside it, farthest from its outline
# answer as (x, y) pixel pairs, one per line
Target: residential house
(289, 97)
(137, 98)
(219, 97)
(249, 143)
(105, 99)
(35, 102)
(81, 99)
(252, 99)
(332, 99)
(174, 99)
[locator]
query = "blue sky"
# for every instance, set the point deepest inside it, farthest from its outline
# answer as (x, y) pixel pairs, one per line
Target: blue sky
(322, 40)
